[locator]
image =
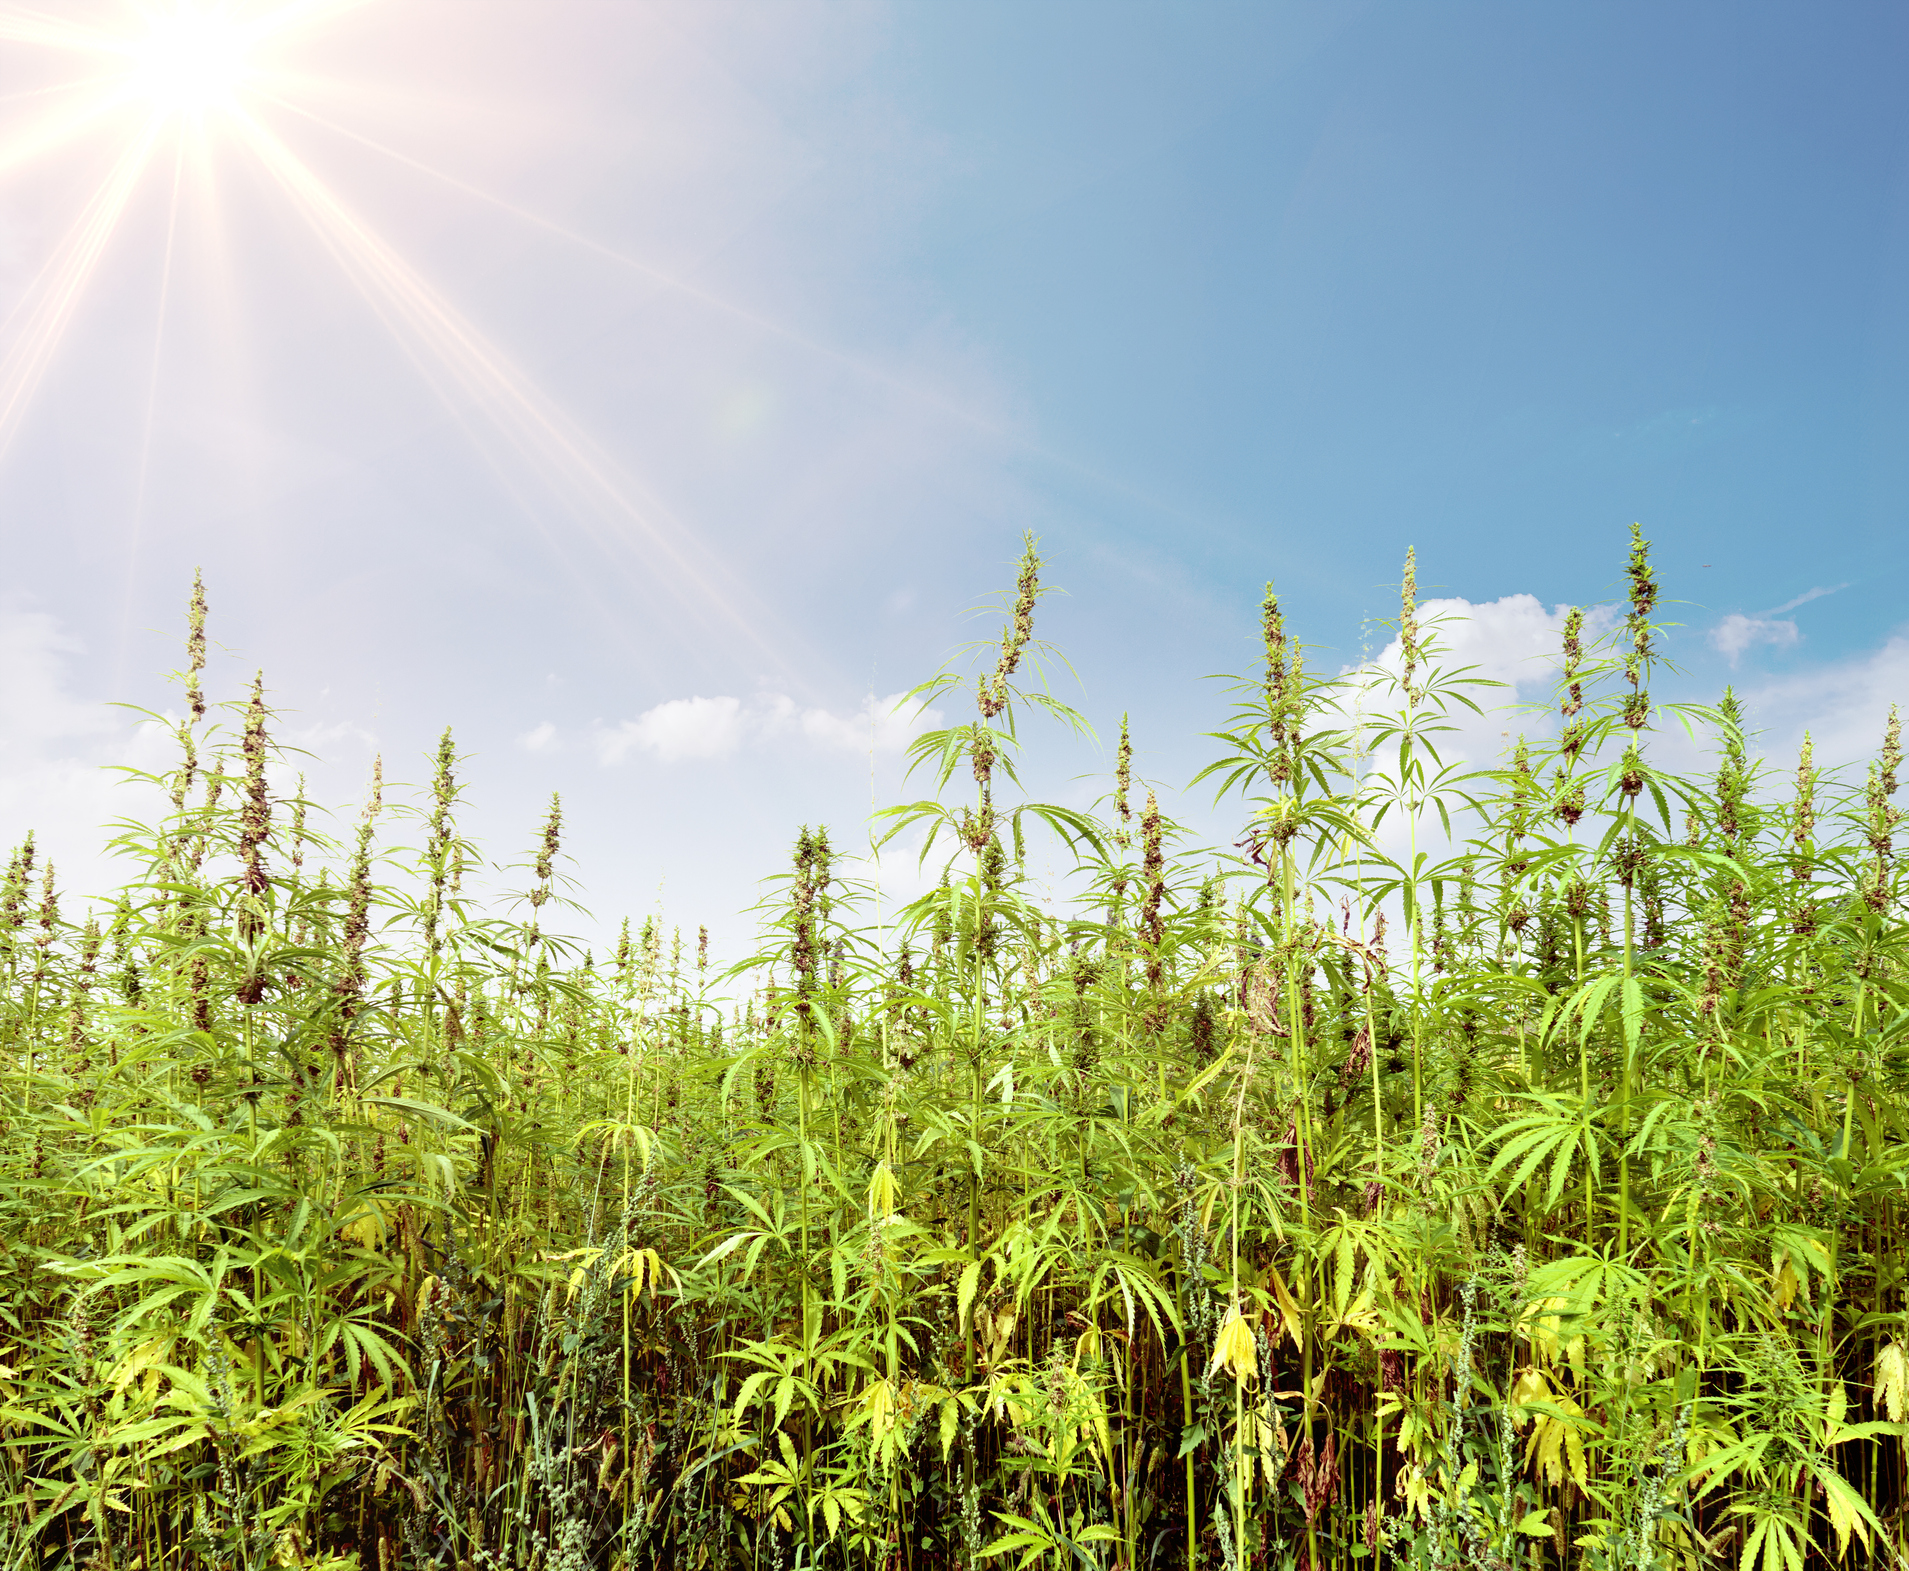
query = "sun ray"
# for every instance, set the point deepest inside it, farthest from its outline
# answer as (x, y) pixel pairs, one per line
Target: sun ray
(53, 131)
(56, 89)
(193, 69)
(878, 374)
(49, 302)
(305, 13)
(149, 423)
(565, 460)
(26, 25)
(190, 57)
(18, 26)
(650, 271)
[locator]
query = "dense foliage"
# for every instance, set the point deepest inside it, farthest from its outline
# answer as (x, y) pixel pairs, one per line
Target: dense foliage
(1191, 1217)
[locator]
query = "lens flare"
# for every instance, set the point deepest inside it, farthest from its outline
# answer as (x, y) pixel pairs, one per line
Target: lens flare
(190, 62)
(191, 79)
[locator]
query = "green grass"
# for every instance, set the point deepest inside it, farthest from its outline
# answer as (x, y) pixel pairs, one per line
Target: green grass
(349, 1222)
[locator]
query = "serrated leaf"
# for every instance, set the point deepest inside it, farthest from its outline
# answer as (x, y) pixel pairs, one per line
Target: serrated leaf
(965, 1291)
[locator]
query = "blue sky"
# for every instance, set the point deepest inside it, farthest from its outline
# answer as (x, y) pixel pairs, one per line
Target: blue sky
(1494, 279)
(807, 311)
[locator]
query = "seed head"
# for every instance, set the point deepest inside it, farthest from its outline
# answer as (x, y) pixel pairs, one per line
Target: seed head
(1409, 645)
(1803, 820)
(1643, 582)
(1637, 624)
(1285, 692)
(549, 845)
(351, 977)
(1880, 819)
(1153, 868)
(255, 818)
(1272, 630)
(1573, 662)
(1568, 804)
(19, 879)
(195, 646)
(808, 916)
(1630, 778)
(49, 910)
(993, 695)
(298, 828)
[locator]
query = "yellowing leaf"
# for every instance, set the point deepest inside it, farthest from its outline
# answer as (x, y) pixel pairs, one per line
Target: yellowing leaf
(365, 1226)
(1555, 1442)
(1233, 1348)
(1848, 1512)
(1274, 1447)
(877, 1406)
(882, 1192)
(1892, 1381)
(1531, 1386)
(645, 1269)
(1417, 1491)
(1787, 1284)
(950, 1421)
(1540, 1322)
(1288, 1308)
(1834, 1411)
(1002, 1335)
(964, 1292)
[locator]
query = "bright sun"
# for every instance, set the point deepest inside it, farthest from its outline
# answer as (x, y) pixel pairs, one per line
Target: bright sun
(189, 62)
(168, 78)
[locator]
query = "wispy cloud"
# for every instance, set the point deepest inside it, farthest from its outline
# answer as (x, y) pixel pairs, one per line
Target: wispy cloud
(1805, 598)
(1737, 633)
(702, 728)
(1740, 632)
(881, 725)
(58, 780)
(679, 729)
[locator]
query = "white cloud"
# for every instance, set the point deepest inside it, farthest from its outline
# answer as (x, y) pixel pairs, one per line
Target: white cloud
(35, 707)
(1844, 705)
(57, 753)
(1513, 641)
(681, 728)
(881, 725)
(1737, 633)
(694, 728)
(538, 739)
(325, 739)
